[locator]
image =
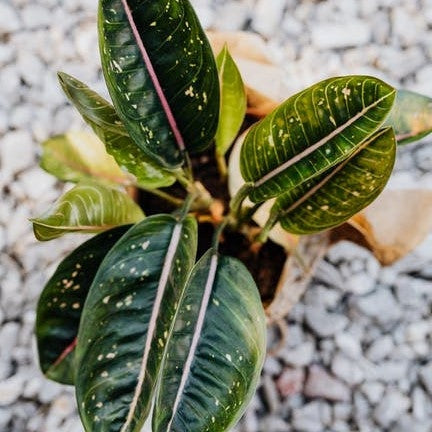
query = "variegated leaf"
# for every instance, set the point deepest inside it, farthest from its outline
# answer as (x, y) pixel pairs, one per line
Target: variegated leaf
(89, 207)
(127, 319)
(215, 352)
(161, 75)
(61, 302)
(335, 196)
(312, 132)
(411, 116)
(78, 156)
(105, 122)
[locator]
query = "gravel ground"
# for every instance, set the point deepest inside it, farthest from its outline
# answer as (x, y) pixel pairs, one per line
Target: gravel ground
(359, 354)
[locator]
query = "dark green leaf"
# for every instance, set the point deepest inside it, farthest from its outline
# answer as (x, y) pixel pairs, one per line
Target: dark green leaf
(233, 101)
(216, 350)
(61, 302)
(311, 132)
(334, 197)
(78, 156)
(126, 322)
(411, 116)
(161, 74)
(89, 207)
(103, 119)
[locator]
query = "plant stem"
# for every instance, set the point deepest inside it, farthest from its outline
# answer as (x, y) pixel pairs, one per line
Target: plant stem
(188, 169)
(165, 196)
(222, 166)
(269, 225)
(218, 232)
(182, 178)
(249, 212)
(237, 200)
(187, 205)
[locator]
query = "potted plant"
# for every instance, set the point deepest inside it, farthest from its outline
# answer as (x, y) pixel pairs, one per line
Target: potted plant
(151, 315)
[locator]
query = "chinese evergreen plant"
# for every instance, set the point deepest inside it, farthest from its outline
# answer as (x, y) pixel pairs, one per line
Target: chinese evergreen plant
(130, 318)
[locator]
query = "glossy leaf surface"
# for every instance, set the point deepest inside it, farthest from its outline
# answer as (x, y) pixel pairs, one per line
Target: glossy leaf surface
(311, 132)
(105, 122)
(161, 74)
(233, 101)
(78, 156)
(343, 191)
(88, 207)
(60, 305)
(126, 322)
(216, 350)
(411, 116)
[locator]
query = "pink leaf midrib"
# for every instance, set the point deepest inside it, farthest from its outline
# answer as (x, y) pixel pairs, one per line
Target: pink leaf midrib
(149, 65)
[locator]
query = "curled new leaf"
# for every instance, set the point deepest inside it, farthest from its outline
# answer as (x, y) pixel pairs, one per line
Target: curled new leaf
(105, 122)
(335, 196)
(233, 102)
(411, 116)
(78, 156)
(215, 352)
(127, 319)
(161, 75)
(61, 302)
(88, 207)
(311, 132)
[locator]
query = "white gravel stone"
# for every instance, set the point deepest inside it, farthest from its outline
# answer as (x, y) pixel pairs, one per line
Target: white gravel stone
(334, 36)
(418, 331)
(399, 64)
(8, 336)
(9, 20)
(424, 158)
(373, 390)
(10, 390)
(421, 404)
(266, 20)
(407, 423)
(272, 366)
(346, 369)
(380, 349)
(290, 382)
(391, 407)
(361, 283)
(16, 152)
(349, 345)
(232, 15)
(308, 418)
(35, 15)
(391, 371)
(320, 384)
(299, 356)
(409, 27)
(325, 323)
(425, 375)
(380, 305)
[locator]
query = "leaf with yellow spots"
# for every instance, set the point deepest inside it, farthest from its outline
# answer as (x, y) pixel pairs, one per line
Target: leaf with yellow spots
(152, 317)
(61, 302)
(101, 116)
(215, 352)
(338, 194)
(126, 321)
(161, 75)
(312, 132)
